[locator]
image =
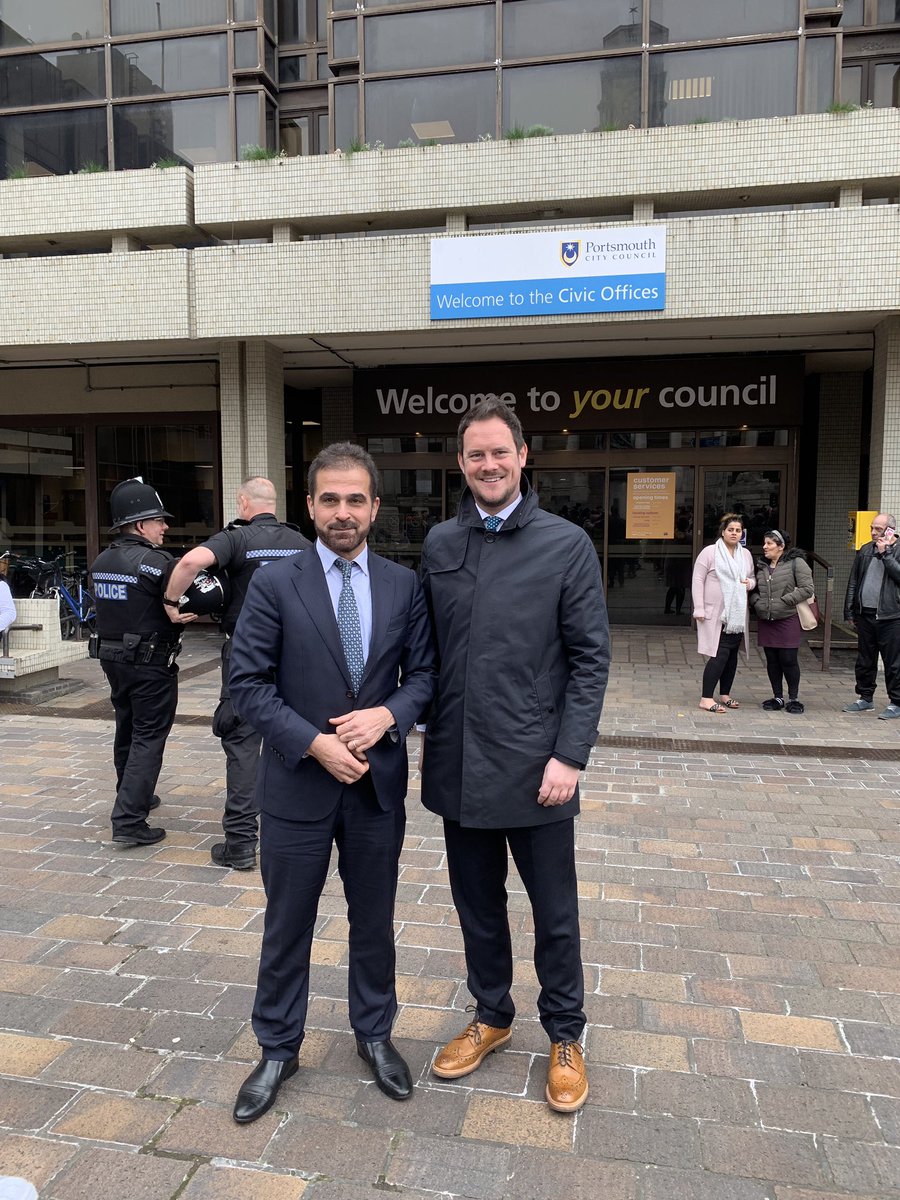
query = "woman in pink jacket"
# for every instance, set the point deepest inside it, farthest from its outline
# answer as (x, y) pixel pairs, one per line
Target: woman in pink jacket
(723, 575)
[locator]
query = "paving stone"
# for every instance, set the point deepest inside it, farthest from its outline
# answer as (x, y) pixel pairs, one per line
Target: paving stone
(517, 1123)
(662, 1051)
(548, 1175)
(102, 1172)
(663, 1183)
(100, 1022)
(124, 1069)
(683, 1095)
(188, 1034)
(645, 984)
(28, 1056)
(691, 1020)
(36, 1159)
(107, 1118)
(658, 1140)
(335, 1150)
(25, 1105)
(814, 1110)
(221, 1182)
(205, 1129)
(874, 1040)
(775, 1064)
(430, 1110)
(887, 1114)
(458, 1167)
(779, 1157)
(850, 1074)
(857, 1165)
(774, 1029)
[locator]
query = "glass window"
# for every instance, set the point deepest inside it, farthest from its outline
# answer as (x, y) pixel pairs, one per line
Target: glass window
(436, 38)
(322, 71)
(245, 10)
(23, 22)
(269, 59)
(246, 111)
(42, 496)
(293, 68)
(819, 80)
(52, 78)
(269, 15)
(737, 82)
(693, 20)
(345, 40)
(321, 20)
(53, 143)
(195, 130)
(600, 94)
(462, 105)
(346, 114)
(146, 16)
(888, 11)
(533, 28)
(854, 12)
(411, 504)
(295, 135)
(292, 21)
(175, 65)
(322, 146)
(246, 49)
(851, 85)
(886, 85)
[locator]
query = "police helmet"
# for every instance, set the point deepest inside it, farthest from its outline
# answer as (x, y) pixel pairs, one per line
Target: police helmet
(133, 500)
(207, 596)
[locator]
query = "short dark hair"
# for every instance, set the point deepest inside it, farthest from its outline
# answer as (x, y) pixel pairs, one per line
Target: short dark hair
(729, 519)
(779, 536)
(485, 410)
(339, 456)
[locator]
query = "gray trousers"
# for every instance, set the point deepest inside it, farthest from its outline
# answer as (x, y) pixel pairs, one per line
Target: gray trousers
(241, 744)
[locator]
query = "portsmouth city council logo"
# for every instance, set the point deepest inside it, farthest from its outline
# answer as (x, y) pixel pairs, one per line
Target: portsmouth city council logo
(568, 252)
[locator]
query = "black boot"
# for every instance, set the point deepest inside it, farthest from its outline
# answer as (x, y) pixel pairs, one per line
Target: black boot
(258, 1091)
(388, 1068)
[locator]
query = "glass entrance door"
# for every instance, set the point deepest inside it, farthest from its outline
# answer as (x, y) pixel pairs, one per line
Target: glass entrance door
(757, 495)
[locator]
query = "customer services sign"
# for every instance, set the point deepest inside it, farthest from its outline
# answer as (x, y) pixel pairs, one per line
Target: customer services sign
(534, 274)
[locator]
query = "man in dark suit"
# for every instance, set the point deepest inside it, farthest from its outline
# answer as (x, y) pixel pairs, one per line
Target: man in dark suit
(333, 663)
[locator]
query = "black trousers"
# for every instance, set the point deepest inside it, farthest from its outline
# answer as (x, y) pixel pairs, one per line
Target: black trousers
(144, 699)
(877, 637)
(722, 669)
(294, 859)
(782, 664)
(544, 855)
(241, 744)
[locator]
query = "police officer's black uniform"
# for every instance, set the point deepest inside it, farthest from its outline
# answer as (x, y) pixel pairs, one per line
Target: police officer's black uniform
(137, 646)
(240, 549)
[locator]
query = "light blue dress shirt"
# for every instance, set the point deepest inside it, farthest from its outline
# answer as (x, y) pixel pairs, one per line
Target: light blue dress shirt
(503, 514)
(359, 581)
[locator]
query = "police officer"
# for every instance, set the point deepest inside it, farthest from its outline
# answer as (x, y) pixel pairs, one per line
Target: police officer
(255, 538)
(137, 648)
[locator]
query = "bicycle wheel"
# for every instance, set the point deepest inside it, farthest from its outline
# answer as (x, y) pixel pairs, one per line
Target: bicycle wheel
(68, 622)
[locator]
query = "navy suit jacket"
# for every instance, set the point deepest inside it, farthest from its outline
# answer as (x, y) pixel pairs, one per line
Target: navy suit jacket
(289, 675)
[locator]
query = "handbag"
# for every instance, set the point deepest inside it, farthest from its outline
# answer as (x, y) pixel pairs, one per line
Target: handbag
(807, 610)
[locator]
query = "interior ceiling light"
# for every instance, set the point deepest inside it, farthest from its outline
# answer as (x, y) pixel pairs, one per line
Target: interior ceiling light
(424, 130)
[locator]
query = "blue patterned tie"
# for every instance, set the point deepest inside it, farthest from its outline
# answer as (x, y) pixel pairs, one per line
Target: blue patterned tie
(492, 524)
(349, 627)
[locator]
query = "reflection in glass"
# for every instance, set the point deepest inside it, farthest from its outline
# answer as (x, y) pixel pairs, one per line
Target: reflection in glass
(346, 114)
(755, 495)
(245, 10)
(147, 16)
(170, 457)
(466, 101)
(42, 496)
(411, 504)
(52, 78)
(23, 22)
(345, 41)
(292, 22)
(570, 97)
(293, 69)
(246, 112)
(819, 85)
(534, 28)
(854, 13)
(189, 64)
(195, 130)
(887, 11)
(246, 49)
(728, 82)
(648, 580)
(295, 138)
(436, 38)
(886, 89)
(696, 20)
(577, 496)
(851, 85)
(53, 143)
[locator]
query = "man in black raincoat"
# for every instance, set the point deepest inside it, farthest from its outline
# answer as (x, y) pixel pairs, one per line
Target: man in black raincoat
(523, 639)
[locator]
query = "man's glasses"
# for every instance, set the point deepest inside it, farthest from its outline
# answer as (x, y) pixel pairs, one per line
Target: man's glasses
(879, 528)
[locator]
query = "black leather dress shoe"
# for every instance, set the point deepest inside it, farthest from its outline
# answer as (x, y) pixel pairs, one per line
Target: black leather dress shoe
(258, 1091)
(139, 835)
(155, 802)
(389, 1070)
(223, 855)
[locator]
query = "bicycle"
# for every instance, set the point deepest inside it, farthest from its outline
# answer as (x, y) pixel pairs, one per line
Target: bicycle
(77, 608)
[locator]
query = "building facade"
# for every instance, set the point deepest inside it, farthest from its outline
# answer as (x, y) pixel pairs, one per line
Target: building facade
(180, 305)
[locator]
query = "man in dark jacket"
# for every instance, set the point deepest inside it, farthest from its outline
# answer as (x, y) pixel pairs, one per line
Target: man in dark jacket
(523, 641)
(256, 538)
(873, 607)
(137, 647)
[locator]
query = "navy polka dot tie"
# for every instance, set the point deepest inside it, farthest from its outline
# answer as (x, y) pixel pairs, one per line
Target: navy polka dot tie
(492, 524)
(349, 627)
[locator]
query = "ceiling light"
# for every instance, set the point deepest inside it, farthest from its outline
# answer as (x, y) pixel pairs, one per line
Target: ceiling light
(425, 130)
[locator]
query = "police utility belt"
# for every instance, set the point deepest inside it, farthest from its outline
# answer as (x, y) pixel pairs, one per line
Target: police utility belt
(135, 649)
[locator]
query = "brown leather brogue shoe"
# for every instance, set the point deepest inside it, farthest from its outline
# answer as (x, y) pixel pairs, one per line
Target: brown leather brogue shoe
(464, 1054)
(567, 1085)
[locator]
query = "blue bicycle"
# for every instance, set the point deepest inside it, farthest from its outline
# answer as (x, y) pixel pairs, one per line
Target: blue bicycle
(77, 609)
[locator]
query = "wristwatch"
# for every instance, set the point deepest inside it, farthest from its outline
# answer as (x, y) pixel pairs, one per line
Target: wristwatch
(171, 603)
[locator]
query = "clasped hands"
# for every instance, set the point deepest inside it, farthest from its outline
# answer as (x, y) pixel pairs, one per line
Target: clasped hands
(343, 753)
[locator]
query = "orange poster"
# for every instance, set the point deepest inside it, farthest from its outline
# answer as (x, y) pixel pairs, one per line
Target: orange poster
(650, 505)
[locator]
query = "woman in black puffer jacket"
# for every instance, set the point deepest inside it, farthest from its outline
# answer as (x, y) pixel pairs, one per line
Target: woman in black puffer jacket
(783, 579)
